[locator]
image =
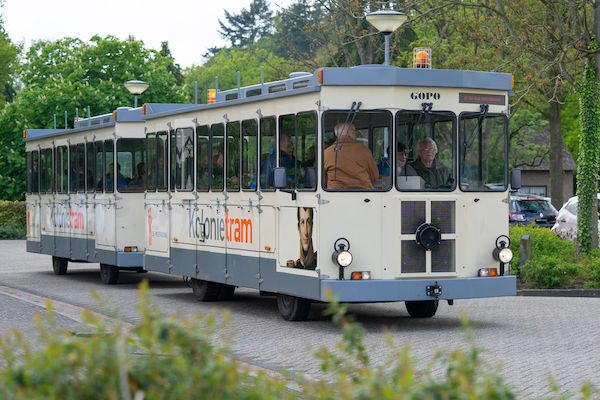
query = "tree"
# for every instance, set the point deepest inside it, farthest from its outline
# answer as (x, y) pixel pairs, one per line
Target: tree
(8, 63)
(248, 26)
(173, 68)
(227, 62)
(70, 74)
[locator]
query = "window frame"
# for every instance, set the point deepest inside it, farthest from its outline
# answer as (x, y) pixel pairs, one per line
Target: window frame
(506, 150)
(256, 158)
(454, 165)
(322, 152)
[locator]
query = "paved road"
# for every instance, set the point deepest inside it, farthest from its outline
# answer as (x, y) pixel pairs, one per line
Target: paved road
(533, 338)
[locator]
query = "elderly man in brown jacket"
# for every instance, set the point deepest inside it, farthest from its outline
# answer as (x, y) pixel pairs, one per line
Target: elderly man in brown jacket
(347, 163)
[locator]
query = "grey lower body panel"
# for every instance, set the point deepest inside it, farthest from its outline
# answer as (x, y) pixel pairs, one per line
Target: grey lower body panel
(156, 263)
(47, 245)
(131, 259)
(416, 289)
(79, 249)
(33, 246)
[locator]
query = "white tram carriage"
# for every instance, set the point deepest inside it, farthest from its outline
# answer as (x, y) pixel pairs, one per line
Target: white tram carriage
(236, 193)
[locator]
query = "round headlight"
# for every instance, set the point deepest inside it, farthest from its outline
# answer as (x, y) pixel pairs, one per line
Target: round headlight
(505, 255)
(344, 258)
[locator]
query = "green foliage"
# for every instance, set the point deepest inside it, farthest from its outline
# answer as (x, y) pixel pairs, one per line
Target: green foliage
(177, 358)
(159, 358)
(589, 150)
(227, 62)
(554, 261)
(67, 74)
(526, 147)
(13, 221)
(549, 272)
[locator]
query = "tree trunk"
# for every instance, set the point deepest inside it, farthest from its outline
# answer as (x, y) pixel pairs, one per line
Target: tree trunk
(556, 156)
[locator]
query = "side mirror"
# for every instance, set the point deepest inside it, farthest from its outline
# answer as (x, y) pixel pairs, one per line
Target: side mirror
(280, 178)
(515, 179)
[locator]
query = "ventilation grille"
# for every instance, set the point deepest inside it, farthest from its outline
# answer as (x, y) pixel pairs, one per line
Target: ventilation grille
(415, 259)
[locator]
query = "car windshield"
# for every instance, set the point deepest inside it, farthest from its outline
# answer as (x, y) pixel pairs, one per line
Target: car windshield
(534, 206)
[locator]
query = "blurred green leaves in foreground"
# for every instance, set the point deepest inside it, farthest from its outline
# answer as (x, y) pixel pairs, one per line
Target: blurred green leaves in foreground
(164, 357)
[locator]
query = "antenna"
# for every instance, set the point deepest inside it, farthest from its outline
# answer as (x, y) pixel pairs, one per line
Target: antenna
(195, 92)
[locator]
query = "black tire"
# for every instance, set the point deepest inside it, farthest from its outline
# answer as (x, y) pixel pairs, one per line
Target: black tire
(109, 274)
(226, 292)
(59, 265)
(293, 308)
(421, 309)
(205, 290)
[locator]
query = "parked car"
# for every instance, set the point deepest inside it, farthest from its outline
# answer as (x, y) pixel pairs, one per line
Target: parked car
(566, 220)
(524, 209)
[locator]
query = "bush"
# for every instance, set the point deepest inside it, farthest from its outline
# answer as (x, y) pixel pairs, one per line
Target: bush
(13, 220)
(176, 358)
(549, 272)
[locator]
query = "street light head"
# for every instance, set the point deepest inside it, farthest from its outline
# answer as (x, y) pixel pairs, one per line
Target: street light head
(386, 21)
(136, 87)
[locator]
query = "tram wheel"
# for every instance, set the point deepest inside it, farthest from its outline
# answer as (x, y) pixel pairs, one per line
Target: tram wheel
(293, 308)
(421, 309)
(59, 265)
(109, 274)
(205, 290)
(226, 292)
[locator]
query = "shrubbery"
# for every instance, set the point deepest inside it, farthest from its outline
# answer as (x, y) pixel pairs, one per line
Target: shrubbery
(13, 220)
(163, 357)
(554, 261)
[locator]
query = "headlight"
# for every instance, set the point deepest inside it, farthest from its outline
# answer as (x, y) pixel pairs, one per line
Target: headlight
(505, 255)
(344, 258)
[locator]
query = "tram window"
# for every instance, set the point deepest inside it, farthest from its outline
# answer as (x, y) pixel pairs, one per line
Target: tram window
(80, 167)
(46, 170)
(267, 153)
(99, 161)
(427, 140)
(62, 169)
(28, 171)
(35, 172)
(72, 168)
(131, 166)
(173, 159)
(162, 151)
(90, 167)
(216, 132)
(249, 154)
(182, 159)
(203, 158)
(482, 144)
(306, 153)
(357, 169)
(109, 167)
(287, 140)
(233, 156)
(151, 161)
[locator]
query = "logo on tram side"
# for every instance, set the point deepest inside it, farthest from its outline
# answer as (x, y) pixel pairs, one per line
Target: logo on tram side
(238, 230)
(425, 96)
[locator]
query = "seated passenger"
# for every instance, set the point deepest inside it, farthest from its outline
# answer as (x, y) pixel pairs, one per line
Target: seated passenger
(139, 181)
(435, 174)
(402, 168)
(348, 164)
(286, 160)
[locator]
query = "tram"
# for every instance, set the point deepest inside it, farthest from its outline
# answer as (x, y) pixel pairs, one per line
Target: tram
(254, 190)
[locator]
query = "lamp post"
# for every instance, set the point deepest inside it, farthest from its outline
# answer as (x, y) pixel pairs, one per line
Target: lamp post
(135, 88)
(386, 22)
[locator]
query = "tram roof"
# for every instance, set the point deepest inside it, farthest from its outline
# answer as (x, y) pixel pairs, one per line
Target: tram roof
(363, 75)
(122, 114)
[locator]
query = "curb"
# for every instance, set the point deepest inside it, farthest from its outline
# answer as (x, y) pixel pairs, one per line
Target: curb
(559, 292)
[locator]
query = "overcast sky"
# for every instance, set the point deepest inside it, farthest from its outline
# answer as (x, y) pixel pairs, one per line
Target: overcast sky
(190, 26)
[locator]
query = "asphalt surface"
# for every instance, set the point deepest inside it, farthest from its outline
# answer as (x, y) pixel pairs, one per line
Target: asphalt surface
(533, 339)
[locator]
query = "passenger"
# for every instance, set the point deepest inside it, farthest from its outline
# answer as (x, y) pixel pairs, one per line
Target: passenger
(402, 168)
(139, 181)
(286, 160)
(348, 164)
(435, 174)
(217, 170)
(121, 182)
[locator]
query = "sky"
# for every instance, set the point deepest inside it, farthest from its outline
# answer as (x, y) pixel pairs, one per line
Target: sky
(190, 26)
